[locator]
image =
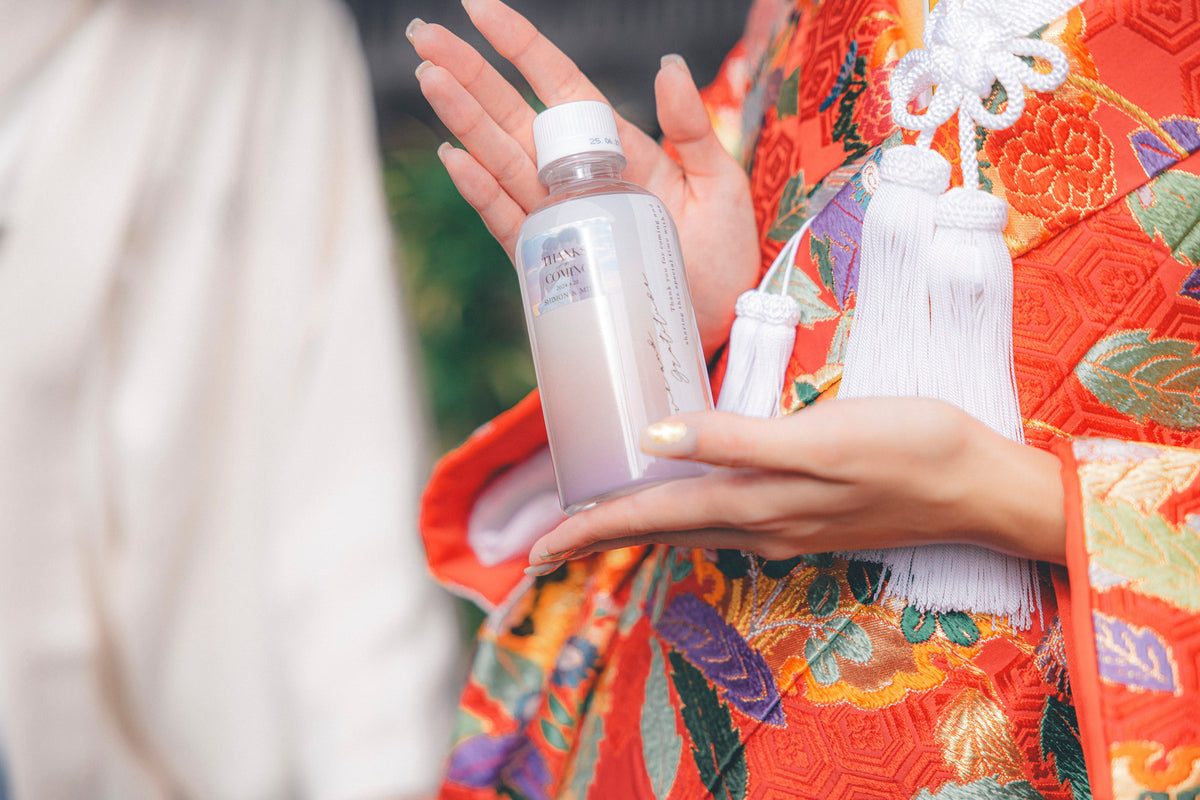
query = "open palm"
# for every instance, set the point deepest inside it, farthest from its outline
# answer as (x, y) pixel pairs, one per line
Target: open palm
(706, 190)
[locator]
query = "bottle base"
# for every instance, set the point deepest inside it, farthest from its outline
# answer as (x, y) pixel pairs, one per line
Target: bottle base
(629, 488)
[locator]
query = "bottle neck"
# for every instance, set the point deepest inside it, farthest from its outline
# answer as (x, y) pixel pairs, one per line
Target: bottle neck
(580, 168)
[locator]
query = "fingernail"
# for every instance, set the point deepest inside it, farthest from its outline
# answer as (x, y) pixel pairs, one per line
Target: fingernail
(562, 555)
(468, 4)
(422, 67)
(412, 27)
(443, 149)
(674, 60)
(542, 569)
(669, 439)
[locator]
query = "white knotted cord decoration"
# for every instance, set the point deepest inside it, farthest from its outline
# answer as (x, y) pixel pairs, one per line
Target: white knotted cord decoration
(934, 310)
(761, 341)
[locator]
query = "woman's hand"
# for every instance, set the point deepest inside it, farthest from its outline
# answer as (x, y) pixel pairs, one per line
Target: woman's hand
(706, 191)
(843, 475)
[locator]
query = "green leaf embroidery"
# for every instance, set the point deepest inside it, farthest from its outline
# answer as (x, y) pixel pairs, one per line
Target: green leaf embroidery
(823, 596)
(918, 626)
(789, 96)
(1059, 733)
(845, 129)
(778, 570)
(806, 393)
(554, 736)
(1150, 380)
(661, 745)
(984, 789)
(959, 628)
(849, 640)
(510, 677)
(559, 711)
(584, 768)
(793, 210)
(819, 559)
(807, 293)
(1168, 208)
(716, 747)
(819, 248)
(1145, 549)
(865, 580)
(819, 655)
(733, 564)
(837, 347)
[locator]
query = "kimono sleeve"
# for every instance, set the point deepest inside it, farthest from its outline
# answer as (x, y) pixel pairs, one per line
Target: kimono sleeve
(1132, 614)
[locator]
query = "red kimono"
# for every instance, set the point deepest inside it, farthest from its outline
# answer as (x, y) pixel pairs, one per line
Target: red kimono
(663, 673)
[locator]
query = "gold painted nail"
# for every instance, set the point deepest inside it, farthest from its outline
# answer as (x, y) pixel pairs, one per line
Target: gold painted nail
(669, 439)
(422, 67)
(666, 432)
(416, 23)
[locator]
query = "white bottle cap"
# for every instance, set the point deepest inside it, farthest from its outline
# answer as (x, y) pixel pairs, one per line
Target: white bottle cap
(585, 126)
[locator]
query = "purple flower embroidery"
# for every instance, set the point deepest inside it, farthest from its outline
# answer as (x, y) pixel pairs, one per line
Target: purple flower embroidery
(485, 761)
(839, 228)
(1154, 153)
(1132, 656)
(694, 628)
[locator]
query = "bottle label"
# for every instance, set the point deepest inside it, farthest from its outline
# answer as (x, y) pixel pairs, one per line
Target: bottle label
(669, 336)
(570, 263)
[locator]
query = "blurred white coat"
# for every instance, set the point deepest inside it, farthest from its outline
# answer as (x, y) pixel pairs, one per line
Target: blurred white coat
(210, 580)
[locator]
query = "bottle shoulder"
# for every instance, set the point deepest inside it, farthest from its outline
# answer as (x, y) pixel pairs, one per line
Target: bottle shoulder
(592, 188)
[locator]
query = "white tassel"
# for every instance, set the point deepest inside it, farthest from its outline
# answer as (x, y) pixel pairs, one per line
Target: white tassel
(889, 340)
(960, 577)
(762, 339)
(970, 311)
(760, 347)
(970, 320)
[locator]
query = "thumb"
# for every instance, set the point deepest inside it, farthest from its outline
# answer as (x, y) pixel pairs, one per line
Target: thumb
(684, 120)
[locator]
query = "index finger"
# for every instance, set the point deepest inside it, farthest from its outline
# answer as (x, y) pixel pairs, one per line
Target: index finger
(551, 74)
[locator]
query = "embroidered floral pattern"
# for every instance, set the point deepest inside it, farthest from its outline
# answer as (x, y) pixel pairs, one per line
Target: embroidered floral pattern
(1055, 162)
(656, 673)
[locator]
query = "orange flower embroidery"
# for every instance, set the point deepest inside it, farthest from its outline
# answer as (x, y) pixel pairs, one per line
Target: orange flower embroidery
(874, 112)
(1055, 163)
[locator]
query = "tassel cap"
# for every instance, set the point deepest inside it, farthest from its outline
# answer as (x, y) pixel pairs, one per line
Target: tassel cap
(918, 167)
(971, 209)
(773, 309)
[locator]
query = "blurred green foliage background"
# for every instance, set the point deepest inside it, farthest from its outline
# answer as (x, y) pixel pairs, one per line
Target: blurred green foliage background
(462, 297)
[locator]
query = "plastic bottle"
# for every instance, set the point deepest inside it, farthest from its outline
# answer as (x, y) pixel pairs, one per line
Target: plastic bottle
(610, 318)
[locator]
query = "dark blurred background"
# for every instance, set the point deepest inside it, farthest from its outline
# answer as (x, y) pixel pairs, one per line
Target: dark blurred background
(461, 290)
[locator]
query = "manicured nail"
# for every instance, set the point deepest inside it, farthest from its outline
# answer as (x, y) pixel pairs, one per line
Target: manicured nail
(669, 439)
(411, 30)
(674, 60)
(562, 555)
(422, 67)
(443, 149)
(542, 569)
(468, 4)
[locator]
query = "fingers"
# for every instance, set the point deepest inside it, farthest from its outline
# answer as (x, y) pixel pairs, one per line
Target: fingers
(790, 444)
(500, 213)
(498, 98)
(493, 148)
(555, 79)
(710, 538)
(551, 74)
(684, 120)
(635, 519)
